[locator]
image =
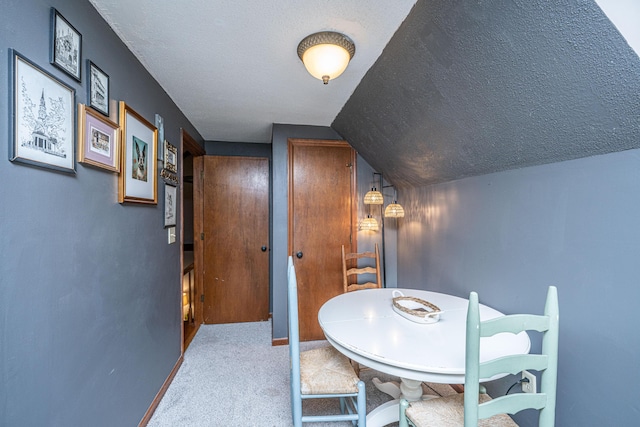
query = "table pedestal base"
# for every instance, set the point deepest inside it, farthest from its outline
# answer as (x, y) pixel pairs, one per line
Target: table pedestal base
(389, 412)
(409, 389)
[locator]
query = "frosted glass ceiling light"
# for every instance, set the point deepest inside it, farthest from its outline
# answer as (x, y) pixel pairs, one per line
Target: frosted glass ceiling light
(326, 54)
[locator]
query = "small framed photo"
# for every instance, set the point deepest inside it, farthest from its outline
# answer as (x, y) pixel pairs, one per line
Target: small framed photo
(98, 89)
(98, 140)
(66, 46)
(138, 175)
(170, 204)
(43, 115)
(160, 126)
(170, 157)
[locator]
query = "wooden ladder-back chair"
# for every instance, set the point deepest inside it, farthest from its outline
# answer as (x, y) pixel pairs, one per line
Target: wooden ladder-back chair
(473, 408)
(320, 373)
(350, 269)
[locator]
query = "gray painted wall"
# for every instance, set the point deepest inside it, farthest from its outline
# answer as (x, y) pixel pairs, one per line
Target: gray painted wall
(89, 289)
(509, 235)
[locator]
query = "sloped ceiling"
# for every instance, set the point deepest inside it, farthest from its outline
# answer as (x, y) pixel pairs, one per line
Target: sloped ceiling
(467, 88)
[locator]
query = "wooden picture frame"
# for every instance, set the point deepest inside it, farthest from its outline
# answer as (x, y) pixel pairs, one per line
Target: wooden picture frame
(43, 117)
(170, 205)
(98, 140)
(137, 181)
(170, 157)
(97, 88)
(66, 46)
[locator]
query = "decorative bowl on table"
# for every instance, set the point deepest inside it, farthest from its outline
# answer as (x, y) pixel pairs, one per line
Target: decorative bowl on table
(415, 309)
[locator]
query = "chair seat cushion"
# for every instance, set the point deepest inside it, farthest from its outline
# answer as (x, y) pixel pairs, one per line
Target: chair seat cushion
(449, 412)
(326, 371)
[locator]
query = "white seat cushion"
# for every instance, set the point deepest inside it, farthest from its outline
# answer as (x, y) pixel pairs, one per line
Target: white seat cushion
(326, 371)
(449, 412)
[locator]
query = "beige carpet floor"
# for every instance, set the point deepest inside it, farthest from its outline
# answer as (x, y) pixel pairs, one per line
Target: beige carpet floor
(233, 376)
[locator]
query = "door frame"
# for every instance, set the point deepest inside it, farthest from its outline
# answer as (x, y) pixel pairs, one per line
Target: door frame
(189, 144)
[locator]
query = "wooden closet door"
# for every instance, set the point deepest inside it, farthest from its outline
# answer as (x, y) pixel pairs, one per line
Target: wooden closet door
(321, 219)
(236, 239)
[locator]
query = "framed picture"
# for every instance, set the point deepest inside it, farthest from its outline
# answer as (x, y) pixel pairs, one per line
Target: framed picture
(169, 177)
(98, 140)
(170, 157)
(170, 203)
(98, 89)
(66, 46)
(138, 175)
(43, 115)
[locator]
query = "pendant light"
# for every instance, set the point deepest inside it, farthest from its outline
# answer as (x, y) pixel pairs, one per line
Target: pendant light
(373, 197)
(394, 210)
(369, 224)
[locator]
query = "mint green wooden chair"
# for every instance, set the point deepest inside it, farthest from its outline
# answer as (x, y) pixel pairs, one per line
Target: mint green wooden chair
(474, 408)
(321, 373)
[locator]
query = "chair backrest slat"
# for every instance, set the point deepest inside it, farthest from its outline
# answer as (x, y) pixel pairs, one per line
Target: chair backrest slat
(513, 365)
(350, 269)
(514, 323)
(512, 404)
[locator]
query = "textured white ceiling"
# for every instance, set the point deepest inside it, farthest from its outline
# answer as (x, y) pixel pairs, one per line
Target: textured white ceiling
(232, 66)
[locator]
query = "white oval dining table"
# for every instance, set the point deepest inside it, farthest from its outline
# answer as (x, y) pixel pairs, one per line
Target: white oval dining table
(363, 326)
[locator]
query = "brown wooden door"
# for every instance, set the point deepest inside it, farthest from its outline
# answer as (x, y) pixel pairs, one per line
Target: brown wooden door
(321, 220)
(236, 239)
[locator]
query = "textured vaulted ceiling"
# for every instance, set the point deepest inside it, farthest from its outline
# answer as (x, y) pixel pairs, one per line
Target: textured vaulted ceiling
(232, 66)
(463, 88)
(467, 88)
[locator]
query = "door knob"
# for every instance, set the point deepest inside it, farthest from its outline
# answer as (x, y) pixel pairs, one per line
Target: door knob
(264, 249)
(299, 254)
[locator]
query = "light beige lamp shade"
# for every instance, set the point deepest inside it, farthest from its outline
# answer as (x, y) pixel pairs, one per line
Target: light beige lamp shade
(326, 54)
(394, 210)
(369, 224)
(373, 197)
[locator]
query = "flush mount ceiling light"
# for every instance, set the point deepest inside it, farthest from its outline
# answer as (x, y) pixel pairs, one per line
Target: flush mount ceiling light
(326, 54)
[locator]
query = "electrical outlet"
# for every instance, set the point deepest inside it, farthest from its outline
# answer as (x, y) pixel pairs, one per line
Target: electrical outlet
(529, 387)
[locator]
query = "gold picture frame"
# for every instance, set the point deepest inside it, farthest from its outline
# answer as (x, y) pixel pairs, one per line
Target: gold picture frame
(98, 140)
(138, 178)
(170, 157)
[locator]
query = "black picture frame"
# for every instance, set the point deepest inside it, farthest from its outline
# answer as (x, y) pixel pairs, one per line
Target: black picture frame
(170, 205)
(66, 46)
(97, 88)
(43, 117)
